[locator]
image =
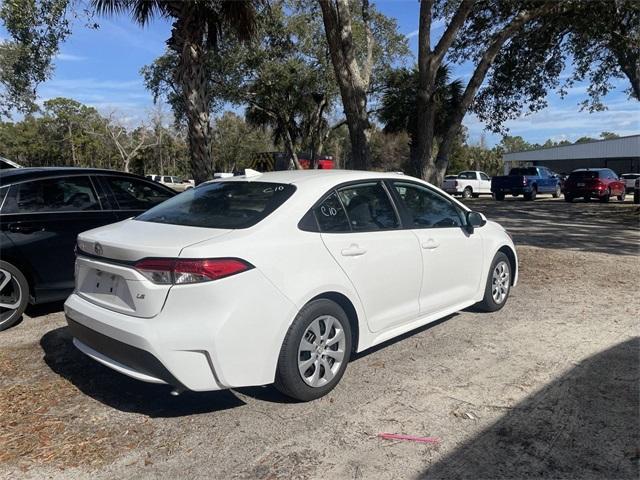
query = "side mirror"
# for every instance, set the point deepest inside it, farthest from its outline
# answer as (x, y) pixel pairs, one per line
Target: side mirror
(475, 220)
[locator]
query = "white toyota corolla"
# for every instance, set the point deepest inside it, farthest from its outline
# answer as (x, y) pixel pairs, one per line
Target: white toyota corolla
(280, 277)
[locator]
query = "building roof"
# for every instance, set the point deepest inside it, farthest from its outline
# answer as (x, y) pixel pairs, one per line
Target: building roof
(623, 147)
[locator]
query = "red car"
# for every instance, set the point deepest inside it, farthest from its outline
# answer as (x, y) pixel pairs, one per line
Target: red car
(600, 183)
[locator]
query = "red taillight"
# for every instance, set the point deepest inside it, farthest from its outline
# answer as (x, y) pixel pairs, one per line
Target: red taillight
(524, 181)
(179, 271)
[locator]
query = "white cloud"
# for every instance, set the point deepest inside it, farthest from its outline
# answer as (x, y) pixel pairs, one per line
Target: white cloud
(412, 34)
(68, 57)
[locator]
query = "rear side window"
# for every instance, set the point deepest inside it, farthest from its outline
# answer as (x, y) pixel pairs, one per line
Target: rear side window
(368, 207)
(331, 216)
(529, 171)
(221, 205)
(70, 194)
(134, 194)
(467, 175)
(583, 175)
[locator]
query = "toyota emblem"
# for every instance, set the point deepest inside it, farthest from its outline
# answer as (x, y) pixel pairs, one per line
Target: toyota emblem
(97, 248)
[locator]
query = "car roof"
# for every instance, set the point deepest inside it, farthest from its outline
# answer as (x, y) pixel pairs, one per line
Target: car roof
(590, 169)
(329, 177)
(14, 175)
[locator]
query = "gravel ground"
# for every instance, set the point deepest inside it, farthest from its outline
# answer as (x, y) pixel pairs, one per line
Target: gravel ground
(546, 388)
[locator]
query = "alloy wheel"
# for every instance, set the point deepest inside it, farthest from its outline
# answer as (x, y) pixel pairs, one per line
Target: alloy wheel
(500, 282)
(321, 351)
(10, 295)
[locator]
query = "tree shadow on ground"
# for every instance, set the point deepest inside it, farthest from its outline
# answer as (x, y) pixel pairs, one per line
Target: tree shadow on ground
(121, 392)
(591, 227)
(584, 425)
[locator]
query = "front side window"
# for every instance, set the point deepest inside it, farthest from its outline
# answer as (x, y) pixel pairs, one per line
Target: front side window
(167, 180)
(426, 208)
(484, 176)
(331, 216)
(71, 194)
(227, 205)
(134, 194)
(368, 207)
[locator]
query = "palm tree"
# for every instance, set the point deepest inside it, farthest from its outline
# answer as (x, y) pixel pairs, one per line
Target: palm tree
(399, 112)
(198, 26)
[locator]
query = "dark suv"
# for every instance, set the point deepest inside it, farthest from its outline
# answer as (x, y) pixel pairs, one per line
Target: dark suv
(42, 210)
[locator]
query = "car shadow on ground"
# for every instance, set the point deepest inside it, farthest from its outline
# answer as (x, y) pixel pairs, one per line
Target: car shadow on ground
(548, 223)
(121, 392)
(43, 309)
(586, 424)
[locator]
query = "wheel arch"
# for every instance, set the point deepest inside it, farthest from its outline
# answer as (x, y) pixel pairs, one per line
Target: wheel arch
(349, 309)
(513, 263)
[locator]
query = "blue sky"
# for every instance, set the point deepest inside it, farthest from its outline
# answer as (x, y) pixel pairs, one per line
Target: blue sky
(101, 68)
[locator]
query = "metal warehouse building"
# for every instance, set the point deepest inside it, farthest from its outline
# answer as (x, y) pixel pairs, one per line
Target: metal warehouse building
(622, 155)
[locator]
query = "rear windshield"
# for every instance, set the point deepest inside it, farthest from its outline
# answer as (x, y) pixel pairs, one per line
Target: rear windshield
(630, 176)
(524, 171)
(221, 205)
(583, 175)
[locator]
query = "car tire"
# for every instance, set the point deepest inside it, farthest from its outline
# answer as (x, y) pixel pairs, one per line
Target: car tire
(568, 198)
(498, 286)
(302, 333)
(605, 198)
(587, 198)
(14, 294)
(622, 197)
(557, 193)
(467, 193)
(499, 196)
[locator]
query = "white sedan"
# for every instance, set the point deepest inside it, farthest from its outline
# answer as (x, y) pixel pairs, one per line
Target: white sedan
(280, 277)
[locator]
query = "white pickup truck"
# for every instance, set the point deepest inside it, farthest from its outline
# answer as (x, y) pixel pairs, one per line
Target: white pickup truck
(469, 183)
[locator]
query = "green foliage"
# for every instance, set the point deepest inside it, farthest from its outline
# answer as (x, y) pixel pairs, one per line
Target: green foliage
(36, 29)
(235, 142)
(594, 41)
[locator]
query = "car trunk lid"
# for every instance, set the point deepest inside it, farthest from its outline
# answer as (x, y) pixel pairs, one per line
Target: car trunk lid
(105, 267)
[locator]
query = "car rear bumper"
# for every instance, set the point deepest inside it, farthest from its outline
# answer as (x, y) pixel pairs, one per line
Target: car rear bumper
(585, 193)
(207, 336)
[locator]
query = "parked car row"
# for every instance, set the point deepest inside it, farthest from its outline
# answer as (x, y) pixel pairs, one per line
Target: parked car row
(262, 278)
(586, 183)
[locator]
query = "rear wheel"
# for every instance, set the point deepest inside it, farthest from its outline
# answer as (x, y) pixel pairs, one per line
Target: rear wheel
(605, 198)
(499, 196)
(568, 198)
(14, 295)
(467, 192)
(498, 284)
(315, 351)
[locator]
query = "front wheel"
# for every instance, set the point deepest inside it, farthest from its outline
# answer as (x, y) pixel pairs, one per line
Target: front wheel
(499, 196)
(498, 284)
(14, 295)
(622, 196)
(315, 351)
(605, 198)
(557, 193)
(467, 192)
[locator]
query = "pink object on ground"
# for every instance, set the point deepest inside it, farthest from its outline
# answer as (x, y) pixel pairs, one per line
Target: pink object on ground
(410, 438)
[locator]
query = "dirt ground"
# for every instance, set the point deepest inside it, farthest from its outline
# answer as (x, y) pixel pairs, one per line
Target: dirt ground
(546, 388)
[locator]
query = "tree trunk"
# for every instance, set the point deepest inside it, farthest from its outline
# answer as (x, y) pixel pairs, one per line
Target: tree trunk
(73, 145)
(290, 147)
(353, 81)
(479, 74)
(429, 61)
(188, 37)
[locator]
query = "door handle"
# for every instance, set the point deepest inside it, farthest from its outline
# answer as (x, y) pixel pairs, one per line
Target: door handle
(353, 251)
(17, 228)
(430, 244)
